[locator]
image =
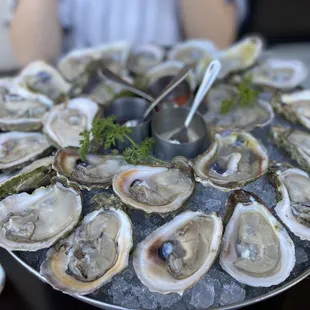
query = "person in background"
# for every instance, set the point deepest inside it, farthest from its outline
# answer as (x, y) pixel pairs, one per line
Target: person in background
(45, 29)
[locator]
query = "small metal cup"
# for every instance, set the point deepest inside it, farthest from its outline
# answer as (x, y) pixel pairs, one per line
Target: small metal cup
(168, 120)
(128, 108)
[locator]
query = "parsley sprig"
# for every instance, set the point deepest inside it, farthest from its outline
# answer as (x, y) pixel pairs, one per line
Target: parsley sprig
(106, 133)
(245, 96)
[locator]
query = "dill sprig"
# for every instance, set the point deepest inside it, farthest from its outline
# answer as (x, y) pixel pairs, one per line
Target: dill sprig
(245, 96)
(106, 133)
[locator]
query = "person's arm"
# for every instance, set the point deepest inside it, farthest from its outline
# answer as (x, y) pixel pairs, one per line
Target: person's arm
(215, 20)
(35, 31)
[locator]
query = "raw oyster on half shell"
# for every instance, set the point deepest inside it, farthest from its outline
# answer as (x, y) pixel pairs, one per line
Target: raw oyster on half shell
(175, 256)
(295, 142)
(17, 148)
(233, 160)
(30, 222)
(158, 189)
(257, 249)
(295, 106)
(19, 113)
(258, 114)
(279, 74)
(94, 171)
(64, 122)
(92, 254)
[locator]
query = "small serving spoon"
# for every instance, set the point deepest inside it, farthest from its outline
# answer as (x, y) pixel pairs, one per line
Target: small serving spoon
(170, 87)
(2, 278)
(210, 75)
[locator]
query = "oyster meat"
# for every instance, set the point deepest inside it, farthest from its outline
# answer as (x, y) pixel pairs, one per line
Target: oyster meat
(95, 251)
(280, 74)
(295, 142)
(246, 118)
(295, 106)
(175, 256)
(293, 207)
(154, 189)
(37, 174)
(64, 122)
(30, 222)
(233, 160)
(40, 78)
(17, 148)
(143, 57)
(256, 250)
(19, 113)
(95, 171)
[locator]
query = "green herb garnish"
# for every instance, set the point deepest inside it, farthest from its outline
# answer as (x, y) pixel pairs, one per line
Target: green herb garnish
(106, 133)
(245, 96)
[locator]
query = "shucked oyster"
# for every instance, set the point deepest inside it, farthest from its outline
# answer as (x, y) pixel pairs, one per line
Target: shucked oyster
(293, 207)
(295, 142)
(175, 256)
(280, 74)
(258, 114)
(95, 171)
(97, 250)
(154, 189)
(17, 148)
(232, 161)
(30, 222)
(64, 123)
(144, 57)
(37, 174)
(257, 250)
(295, 106)
(40, 78)
(22, 113)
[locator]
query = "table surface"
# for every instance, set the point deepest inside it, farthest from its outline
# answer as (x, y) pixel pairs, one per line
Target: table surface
(24, 291)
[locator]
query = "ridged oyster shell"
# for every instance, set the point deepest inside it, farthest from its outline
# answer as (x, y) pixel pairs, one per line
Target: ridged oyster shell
(64, 122)
(246, 118)
(256, 250)
(17, 148)
(294, 106)
(233, 160)
(30, 222)
(157, 189)
(92, 254)
(95, 171)
(293, 185)
(176, 255)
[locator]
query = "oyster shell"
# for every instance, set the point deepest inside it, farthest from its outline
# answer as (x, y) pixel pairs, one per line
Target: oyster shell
(233, 160)
(17, 148)
(246, 118)
(19, 113)
(64, 122)
(280, 74)
(30, 222)
(37, 174)
(295, 142)
(257, 250)
(295, 106)
(143, 57)
(293, 206)
(154, 189)
(175, 256)
(95, 171)
(192, 51)
(40, 78)
(90, 256)
(240, 56)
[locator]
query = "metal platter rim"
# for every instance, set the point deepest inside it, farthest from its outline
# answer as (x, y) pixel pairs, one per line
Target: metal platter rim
(103, 305)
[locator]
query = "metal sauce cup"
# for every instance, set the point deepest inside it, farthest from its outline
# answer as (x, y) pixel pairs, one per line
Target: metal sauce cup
(168, 120)
(128, 108)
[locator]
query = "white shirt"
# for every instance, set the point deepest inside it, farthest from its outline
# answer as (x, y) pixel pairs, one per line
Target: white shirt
(93, 22)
